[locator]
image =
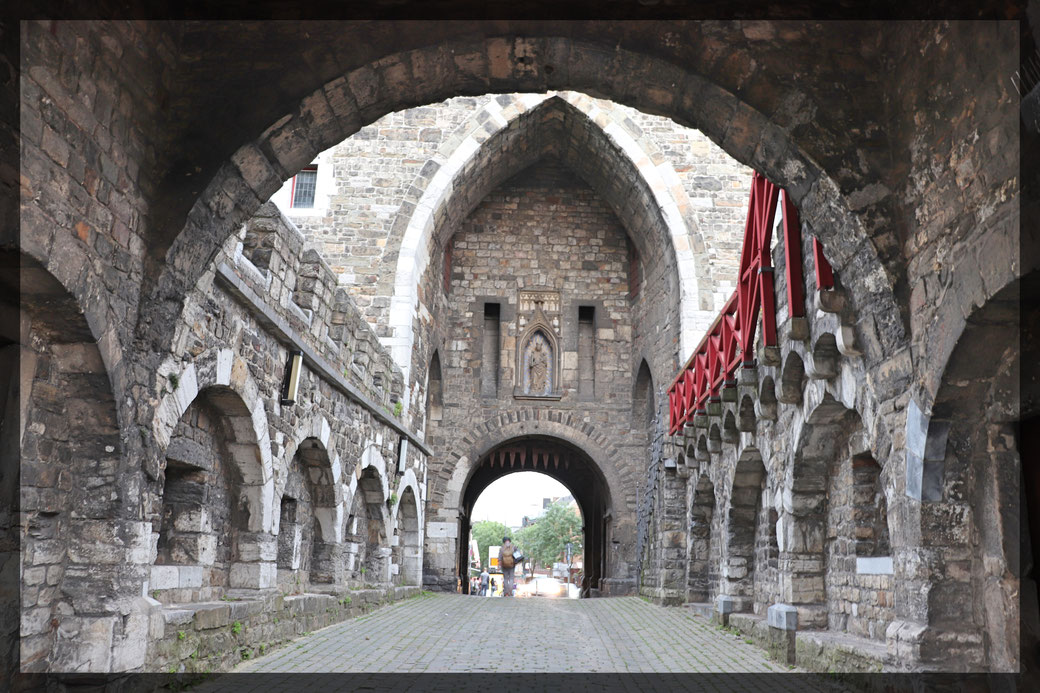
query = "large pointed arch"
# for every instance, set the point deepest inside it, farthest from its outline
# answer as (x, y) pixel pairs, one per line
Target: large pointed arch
(591, 142)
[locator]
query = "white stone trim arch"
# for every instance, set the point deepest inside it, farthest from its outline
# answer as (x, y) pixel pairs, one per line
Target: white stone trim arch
(408, 480)
(411, 555)
(413, 257)
(222, 367)
(330, 518)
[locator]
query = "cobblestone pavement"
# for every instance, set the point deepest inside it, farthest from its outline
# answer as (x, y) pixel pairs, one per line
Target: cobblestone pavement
(455, 633)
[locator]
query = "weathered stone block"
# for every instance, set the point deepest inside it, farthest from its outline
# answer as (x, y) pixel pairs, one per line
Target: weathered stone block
(164, 577)
(212, 616)
(782, 617)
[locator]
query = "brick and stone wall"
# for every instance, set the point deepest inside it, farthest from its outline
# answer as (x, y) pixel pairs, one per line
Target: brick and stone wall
(360, 231)
(524, 236)
(134, 175)
(236, 458)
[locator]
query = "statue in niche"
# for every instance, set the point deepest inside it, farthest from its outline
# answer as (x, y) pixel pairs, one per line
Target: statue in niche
(538, 365)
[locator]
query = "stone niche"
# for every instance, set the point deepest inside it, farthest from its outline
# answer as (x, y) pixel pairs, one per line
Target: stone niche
(538, 347)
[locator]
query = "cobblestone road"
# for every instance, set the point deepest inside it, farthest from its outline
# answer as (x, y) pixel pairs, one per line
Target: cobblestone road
(454, 633)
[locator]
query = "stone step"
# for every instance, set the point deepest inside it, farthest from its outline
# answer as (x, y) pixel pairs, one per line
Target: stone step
(702, 609)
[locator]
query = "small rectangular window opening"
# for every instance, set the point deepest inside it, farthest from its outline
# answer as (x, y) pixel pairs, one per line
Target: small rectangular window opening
(491, 350)
(303, 187)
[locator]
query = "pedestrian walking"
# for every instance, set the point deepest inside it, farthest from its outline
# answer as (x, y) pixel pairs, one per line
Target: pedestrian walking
(484, 577)
(508, 564)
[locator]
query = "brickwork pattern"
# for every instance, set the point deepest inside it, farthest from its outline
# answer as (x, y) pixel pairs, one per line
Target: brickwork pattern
(375, 168)
(543, 229)
(452, 633)
(134, 176)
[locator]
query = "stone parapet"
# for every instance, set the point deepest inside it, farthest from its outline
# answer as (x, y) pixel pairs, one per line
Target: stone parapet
(215, 636)
(271, 256)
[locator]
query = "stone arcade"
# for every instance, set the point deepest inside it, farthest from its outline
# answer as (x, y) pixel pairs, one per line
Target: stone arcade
(496, 247)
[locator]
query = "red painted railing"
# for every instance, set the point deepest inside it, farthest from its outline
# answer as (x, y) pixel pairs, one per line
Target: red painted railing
(730, 341)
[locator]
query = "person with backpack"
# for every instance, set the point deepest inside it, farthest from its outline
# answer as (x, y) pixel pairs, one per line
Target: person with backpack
(484, 577)
(507, 563)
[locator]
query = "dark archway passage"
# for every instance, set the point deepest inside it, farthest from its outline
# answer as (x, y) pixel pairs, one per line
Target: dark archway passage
(567, 464)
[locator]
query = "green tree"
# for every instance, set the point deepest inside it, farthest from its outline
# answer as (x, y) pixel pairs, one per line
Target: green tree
(545, 540)
(488, 533)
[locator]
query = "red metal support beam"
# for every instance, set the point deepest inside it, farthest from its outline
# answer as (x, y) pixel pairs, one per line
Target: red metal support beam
(793, 258)
(824, 274)
(730, 341)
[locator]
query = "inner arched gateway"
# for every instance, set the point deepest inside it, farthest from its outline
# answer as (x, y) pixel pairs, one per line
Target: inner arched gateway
(564, 462)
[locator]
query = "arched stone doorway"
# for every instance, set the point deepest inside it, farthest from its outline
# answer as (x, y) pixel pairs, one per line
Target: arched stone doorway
(60, 449)
(562, 461)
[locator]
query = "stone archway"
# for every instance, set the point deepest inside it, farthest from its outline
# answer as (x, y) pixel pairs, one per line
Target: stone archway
(703, 552)
(213, 500)
(965, 459)
(366, 550)
(569, 465)
(343, 104)
(820, 441)
(603, 151)
(409, 537)
(612, 521)
(61, 446)
(741, 526)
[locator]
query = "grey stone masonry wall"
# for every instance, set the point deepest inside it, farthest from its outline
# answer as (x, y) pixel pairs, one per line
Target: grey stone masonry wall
(823, 541)
(211, 515)
(360, 232)
(717, 187)
(543, 230)
(215, 636)
(134, 175)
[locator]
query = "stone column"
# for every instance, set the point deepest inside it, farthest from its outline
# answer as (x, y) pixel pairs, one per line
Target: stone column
(255, 564)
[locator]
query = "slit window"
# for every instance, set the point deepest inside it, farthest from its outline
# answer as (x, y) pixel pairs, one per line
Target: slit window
(586, 351)
(491, 350)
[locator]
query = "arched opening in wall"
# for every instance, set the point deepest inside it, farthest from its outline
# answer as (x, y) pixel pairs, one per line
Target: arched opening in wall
(825, 357)
(210, 502)
(289, 128)
(730, 434)
(643, 400)
(545, 525)
(702, 583)
(714, 439)
(702, 453)
(767, 399)
(409, 537)
(738, 570)
(60, 454)
(792, 380)
(365, 545)
(308, 551)
(434, 390)
(568, 465)
(980, 398)
(746, 419)
(819, 534)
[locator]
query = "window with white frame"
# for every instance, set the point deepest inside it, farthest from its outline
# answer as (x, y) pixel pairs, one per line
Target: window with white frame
(304, 184)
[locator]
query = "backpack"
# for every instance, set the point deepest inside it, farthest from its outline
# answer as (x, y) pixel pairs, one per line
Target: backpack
(507, 559)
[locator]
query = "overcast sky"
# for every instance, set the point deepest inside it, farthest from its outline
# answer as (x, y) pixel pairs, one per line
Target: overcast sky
(508, 499)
